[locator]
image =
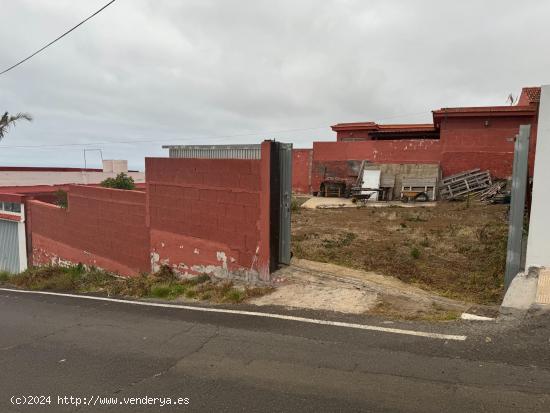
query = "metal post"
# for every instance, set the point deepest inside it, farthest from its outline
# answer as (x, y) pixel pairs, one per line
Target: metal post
(517, 204)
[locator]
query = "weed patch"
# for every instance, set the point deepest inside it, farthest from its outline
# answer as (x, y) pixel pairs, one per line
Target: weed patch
(163, 284)
(4, 276)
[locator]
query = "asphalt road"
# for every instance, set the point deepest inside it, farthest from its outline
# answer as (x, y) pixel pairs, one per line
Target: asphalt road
(57, 346)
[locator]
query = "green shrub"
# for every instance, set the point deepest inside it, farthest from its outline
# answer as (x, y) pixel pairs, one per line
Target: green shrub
(122, 181)
(415, 253)
(61, 199)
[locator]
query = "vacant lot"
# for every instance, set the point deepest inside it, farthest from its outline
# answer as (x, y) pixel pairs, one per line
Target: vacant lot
(455, 249)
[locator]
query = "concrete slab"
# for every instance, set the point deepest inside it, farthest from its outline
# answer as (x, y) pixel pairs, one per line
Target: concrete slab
(543, 287)
(328, 203)
(321, 202)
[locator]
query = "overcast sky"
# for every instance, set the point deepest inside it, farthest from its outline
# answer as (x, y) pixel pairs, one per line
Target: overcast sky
(240, 71)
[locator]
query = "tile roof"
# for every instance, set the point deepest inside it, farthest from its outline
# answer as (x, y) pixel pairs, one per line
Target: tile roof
(529, 95)
(486, 110)
(372, 126)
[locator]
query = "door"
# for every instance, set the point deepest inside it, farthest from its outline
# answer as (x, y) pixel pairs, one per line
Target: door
(371, 179)
(9, 246)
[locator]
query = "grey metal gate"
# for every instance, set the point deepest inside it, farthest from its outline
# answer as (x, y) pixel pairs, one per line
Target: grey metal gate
(285, 173)
(280, 202)
(9, 246)
(516, 245)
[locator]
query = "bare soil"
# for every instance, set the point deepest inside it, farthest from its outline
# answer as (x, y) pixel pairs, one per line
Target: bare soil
(323, 286)
(456, 249)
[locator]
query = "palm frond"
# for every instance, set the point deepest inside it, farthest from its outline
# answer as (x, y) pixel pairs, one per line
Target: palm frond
(6, 121)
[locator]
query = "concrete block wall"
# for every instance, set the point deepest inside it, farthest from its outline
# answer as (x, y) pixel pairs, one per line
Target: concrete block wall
(101, 227)
(210, 215)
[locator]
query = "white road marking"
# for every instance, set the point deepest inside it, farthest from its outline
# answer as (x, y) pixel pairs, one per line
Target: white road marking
(254, 314)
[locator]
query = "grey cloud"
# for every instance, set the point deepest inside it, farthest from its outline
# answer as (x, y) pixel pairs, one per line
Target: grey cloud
(194, 71)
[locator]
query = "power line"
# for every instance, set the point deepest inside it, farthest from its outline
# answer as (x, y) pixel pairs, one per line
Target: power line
(60, 37)
(136, 141)
(157, 140)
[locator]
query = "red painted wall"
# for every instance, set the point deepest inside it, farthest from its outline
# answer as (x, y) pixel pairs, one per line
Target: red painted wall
(206, 215)
(360, 135)
(401, 151)
(467, 143)
(301, 170)
(101, 227)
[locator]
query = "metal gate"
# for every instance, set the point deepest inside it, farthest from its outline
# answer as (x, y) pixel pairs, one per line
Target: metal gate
(9, 246)
(281, 198)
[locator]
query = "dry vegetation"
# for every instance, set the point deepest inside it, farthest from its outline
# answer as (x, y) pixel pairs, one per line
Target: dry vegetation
(455, 249)
(163, 284)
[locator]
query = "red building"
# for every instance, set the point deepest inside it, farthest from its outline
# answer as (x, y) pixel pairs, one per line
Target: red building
(458, 139)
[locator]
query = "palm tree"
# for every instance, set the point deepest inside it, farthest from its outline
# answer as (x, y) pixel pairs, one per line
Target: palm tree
(7, 121)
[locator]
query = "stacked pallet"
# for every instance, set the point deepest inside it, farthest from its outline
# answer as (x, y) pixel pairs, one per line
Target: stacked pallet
(465, 183)
(494, 190)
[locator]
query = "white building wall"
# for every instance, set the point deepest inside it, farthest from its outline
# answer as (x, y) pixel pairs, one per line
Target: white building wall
(30, 178)
(538, 243)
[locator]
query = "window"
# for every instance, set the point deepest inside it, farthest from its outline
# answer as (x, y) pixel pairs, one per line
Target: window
(10, 207)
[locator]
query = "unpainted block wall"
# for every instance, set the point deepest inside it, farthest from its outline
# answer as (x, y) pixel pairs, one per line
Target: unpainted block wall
(101, 227)
(209, 215)
(342, 159)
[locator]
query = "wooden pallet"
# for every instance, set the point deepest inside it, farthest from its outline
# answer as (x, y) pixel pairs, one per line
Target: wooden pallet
(465, 183)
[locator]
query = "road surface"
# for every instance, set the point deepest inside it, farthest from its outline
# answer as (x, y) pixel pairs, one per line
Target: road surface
(105, 352)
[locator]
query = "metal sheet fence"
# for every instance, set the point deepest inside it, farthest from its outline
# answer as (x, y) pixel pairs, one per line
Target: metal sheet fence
(215, 151)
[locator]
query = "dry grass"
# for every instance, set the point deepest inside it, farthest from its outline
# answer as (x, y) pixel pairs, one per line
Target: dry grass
(164, 284)
(454, 249)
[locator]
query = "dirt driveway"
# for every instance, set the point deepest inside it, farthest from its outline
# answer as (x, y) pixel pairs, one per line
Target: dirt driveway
(320, 286)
